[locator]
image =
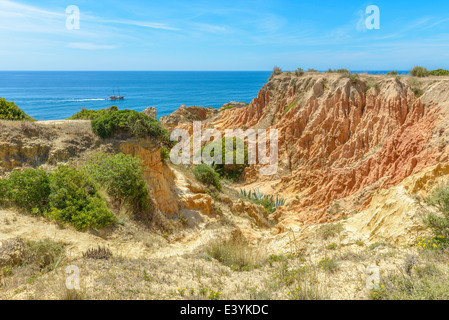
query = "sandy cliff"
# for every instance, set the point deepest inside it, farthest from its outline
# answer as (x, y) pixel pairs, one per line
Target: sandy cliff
(342, 138)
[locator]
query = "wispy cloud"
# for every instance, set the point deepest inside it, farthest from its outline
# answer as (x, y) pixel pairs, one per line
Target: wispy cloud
(144, 24)
(90, 46)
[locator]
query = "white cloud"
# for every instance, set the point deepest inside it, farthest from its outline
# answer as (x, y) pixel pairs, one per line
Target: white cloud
(90, 46)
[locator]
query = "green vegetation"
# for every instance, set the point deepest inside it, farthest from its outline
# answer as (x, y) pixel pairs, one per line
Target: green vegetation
(234, 170)
(122, 177)
(330, 230)
(235, 253)
(419, 72)
(374, 85)
(439, 221)
(299, 72)
(392, 73)
(74, 199)
(270, 203)
(312, 70)
(328, 264)
(332, 246)
(292, 105)
(87, 114)
(132, 122)
(45, 254)
(342, 71)
(354, 78)
(66, 195)
(165, 154)
(226, 108)
(417, 91)
(27, 190)
(439, 72)
(9, 111)
(207, 175)
(412, 281)
(276, 71)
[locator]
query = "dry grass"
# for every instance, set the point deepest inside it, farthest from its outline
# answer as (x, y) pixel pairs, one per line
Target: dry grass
(235, 253)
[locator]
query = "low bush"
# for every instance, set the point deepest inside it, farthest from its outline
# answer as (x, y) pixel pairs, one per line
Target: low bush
(234, 170)
(415, 283)
(235, 253)
(299, 72)
(207, 175)
(132, 122)
(392, 73)
(122, 177)
(419, 72)
(74, 199)
(9, 111)
(276, 71)
(87, 114)
(165, 154)
(45, 254)
(28, 190)
(66, 195)
(330, 230)
(439, 72)
(438, 221)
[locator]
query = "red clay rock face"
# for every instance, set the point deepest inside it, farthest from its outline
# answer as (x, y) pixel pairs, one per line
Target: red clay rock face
(341, 137)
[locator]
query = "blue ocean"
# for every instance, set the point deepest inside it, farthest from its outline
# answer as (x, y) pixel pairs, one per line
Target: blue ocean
(53, 95)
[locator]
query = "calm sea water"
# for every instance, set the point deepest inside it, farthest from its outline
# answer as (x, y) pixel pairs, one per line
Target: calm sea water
(50, 95)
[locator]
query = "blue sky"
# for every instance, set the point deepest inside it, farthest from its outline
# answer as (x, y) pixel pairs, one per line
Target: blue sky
(223, 35)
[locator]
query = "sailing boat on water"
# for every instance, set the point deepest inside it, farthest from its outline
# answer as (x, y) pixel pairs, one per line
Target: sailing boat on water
(114, 97)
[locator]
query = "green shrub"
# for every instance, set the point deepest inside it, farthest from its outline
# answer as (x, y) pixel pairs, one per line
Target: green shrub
(122, 177)
(9, 111)
(66, 195)
(299, 72)
(392, 73)
(312, 70)
(342, 71)
(87, 114)
(207, 175)
(328, 264)
(439, 72)
(417, 91)
(28, 189)
(419, 72)
(276, 71)
(75, 199)
(330, 230)
(439, 221)
(135, 123)
(165, 154)
(233, 170)
(354, 78)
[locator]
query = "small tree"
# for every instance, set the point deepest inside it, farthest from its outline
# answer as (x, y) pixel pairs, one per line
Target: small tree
(276, 71)
(299, 72)
(419, 72)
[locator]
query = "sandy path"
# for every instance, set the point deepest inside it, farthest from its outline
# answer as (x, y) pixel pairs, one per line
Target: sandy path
(36, 228)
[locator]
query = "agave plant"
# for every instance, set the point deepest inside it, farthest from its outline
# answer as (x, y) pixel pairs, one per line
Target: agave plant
(257, 195)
